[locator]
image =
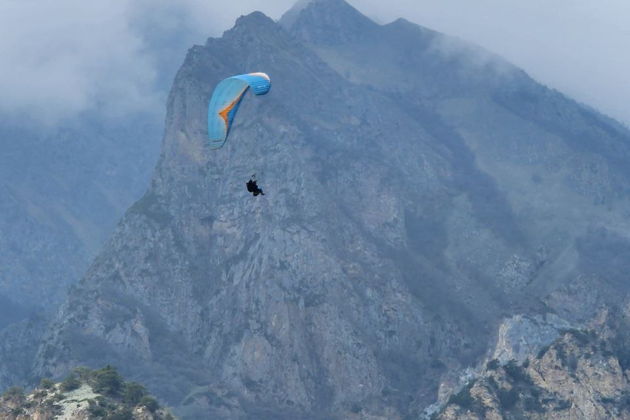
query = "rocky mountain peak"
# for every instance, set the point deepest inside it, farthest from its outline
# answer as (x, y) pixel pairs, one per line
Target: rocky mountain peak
(255, 21)
(327, 21)
(403, 24)
(252, 31)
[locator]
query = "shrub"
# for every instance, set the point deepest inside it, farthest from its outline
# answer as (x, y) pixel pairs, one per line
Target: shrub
(96, 410)
(38, 395)
(133, 393)
(517, 373)
(492, 383)
(17, 411)
(121, 414)
(150, 403)
(562, 405)
(108, 382)
(533, 404)
(15, 392)
(83, 373)
(70, 383)
(508, 399)
(493, 364)
(582, 337)
(463, 397)
(46, 383)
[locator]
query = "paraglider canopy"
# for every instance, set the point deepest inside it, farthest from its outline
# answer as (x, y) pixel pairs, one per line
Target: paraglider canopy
(225, 101)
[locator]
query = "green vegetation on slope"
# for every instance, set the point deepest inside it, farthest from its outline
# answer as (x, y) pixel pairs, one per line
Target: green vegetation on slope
(84, 394)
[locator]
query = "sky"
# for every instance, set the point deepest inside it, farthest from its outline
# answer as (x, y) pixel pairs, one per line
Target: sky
(59, 58)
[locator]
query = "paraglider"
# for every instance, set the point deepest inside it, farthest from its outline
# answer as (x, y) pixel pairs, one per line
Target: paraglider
(224, 103)
(226, 98)
(252, 186)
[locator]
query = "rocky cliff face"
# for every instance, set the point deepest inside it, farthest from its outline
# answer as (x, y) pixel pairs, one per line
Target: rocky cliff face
(418, 191)
(581, 375)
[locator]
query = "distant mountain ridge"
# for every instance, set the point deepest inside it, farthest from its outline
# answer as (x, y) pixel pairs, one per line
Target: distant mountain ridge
(418, 193)
(61, 188)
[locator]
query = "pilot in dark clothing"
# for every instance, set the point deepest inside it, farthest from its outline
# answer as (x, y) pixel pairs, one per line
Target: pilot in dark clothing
(252, 186)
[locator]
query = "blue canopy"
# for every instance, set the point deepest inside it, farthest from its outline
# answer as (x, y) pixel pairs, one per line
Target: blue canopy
(225, 101)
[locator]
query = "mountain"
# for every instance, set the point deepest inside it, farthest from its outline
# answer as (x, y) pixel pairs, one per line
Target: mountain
(65, 182)
(62, 190)
(424, 199)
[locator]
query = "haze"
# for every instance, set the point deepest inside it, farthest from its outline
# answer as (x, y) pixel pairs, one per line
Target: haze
(60, 58)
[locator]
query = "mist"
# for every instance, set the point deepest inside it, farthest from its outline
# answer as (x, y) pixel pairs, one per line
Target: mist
(576, 46)
(65, 57)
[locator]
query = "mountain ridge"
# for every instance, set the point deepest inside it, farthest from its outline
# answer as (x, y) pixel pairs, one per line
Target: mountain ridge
(399, 228)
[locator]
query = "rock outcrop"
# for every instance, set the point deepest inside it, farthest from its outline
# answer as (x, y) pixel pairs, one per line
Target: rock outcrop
(581, 375)
(84, 395)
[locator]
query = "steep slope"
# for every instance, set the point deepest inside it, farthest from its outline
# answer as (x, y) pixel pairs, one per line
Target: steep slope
(62, 190)
(388, 247)
(561, 168)
(18, 347)
(315, 285)
(583, 374)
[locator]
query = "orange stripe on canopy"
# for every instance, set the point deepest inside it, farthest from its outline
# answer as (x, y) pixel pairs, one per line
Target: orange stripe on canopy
(225, 112)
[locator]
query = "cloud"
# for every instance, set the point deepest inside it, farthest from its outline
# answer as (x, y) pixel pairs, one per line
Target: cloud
(63, 57)
(579, 47)
(60, 58)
